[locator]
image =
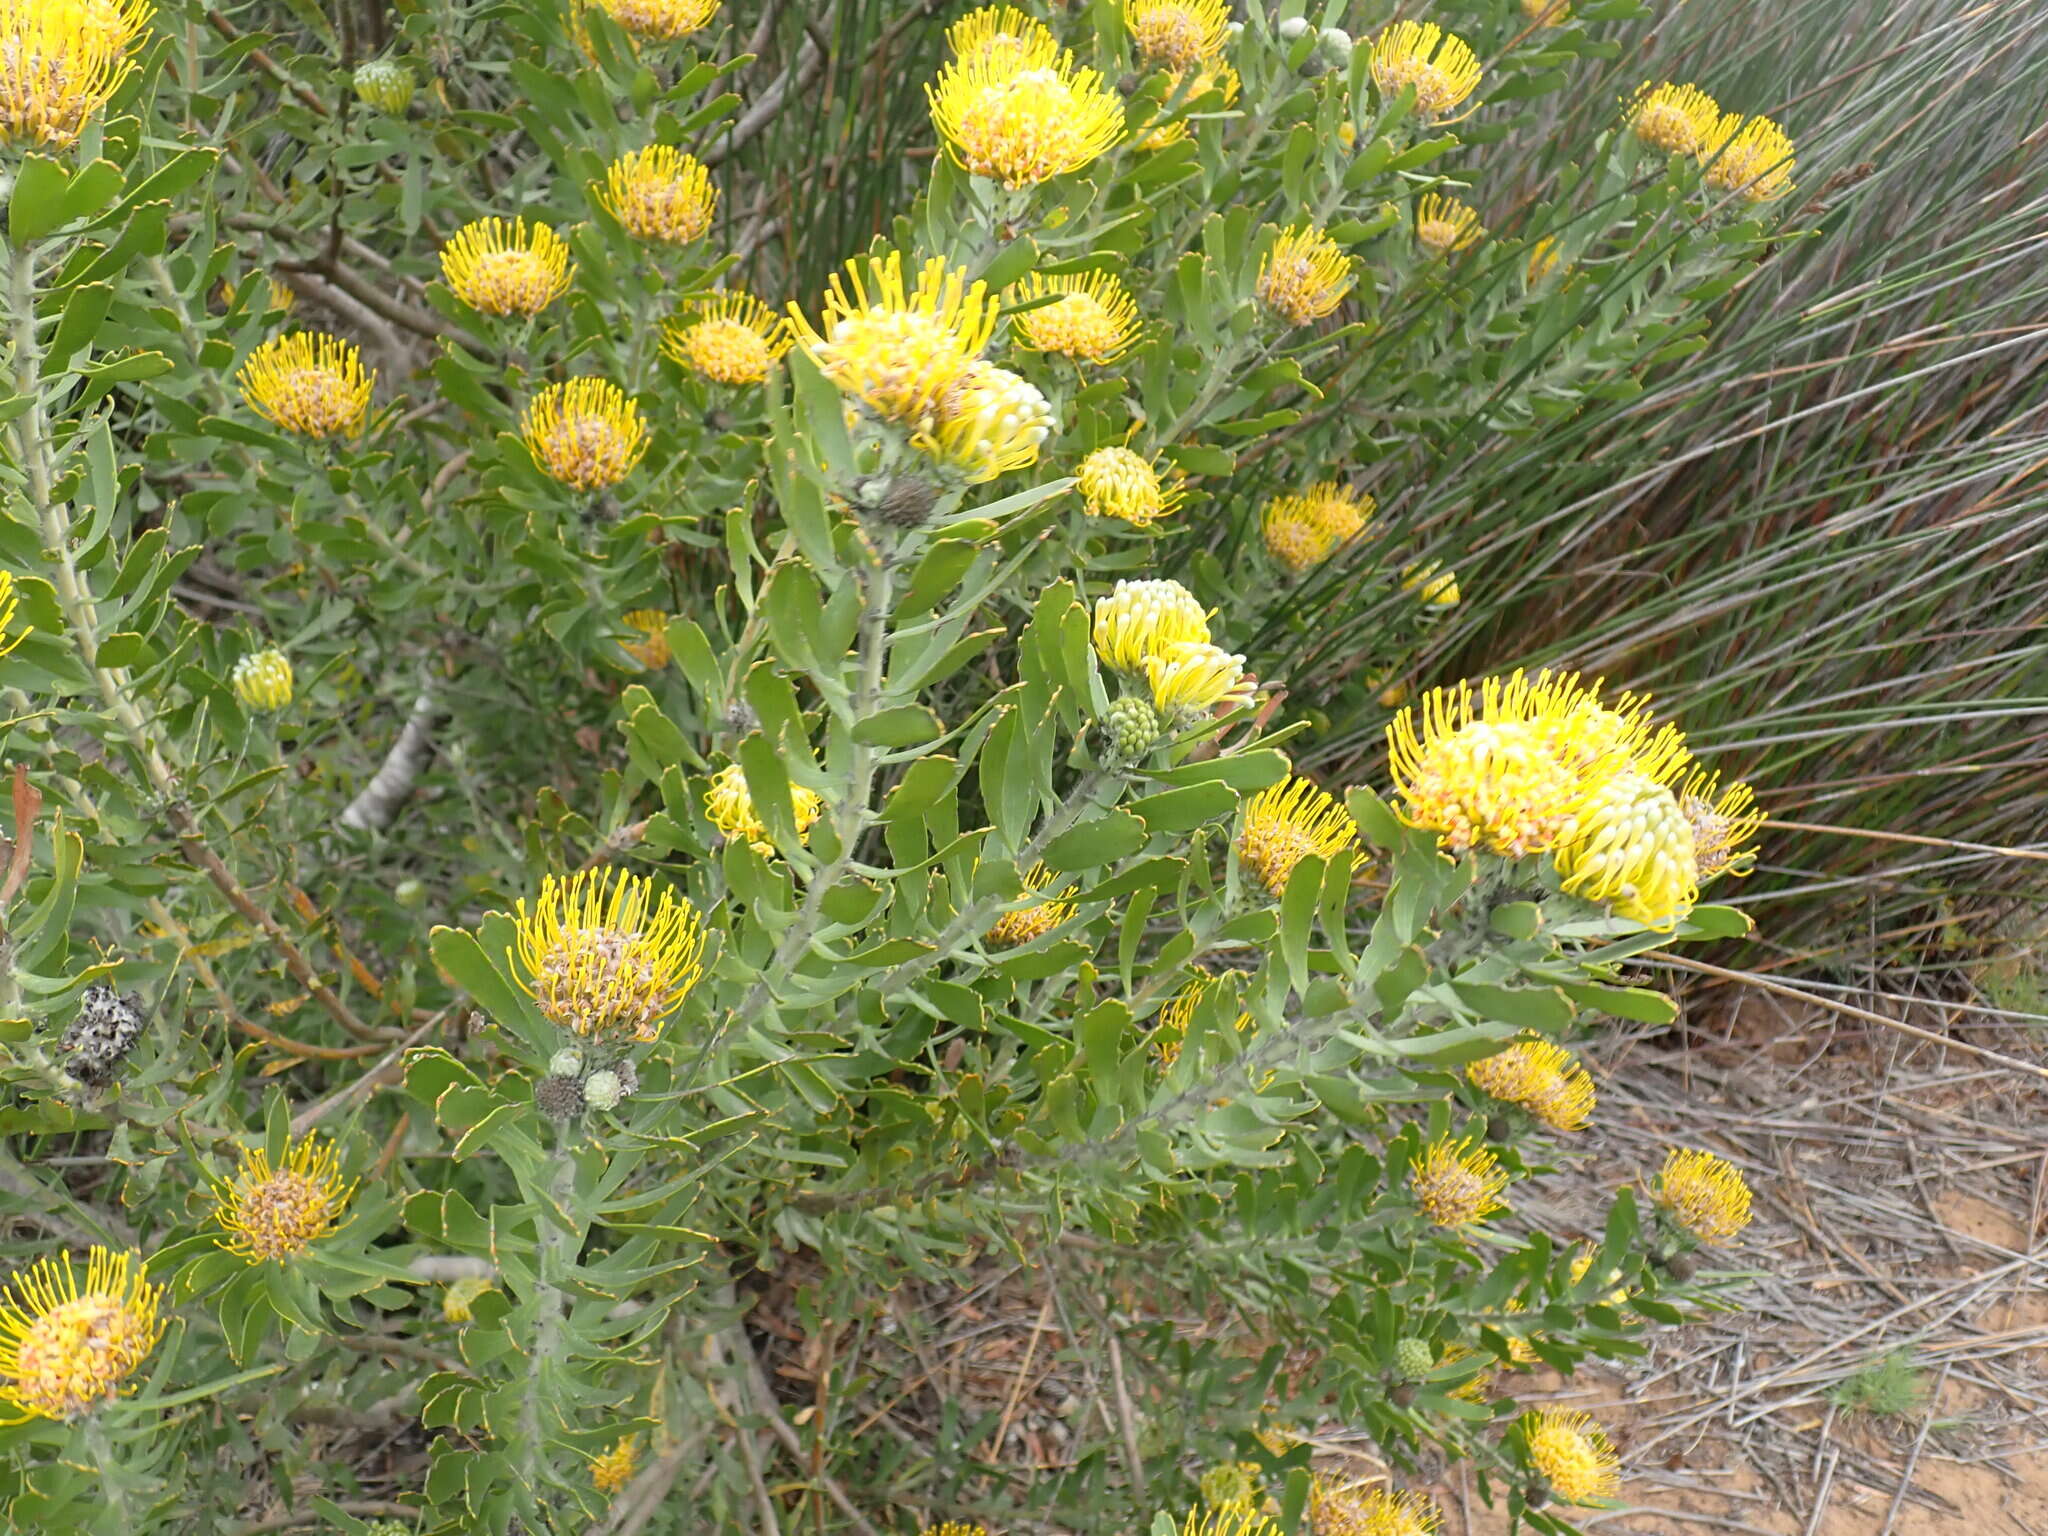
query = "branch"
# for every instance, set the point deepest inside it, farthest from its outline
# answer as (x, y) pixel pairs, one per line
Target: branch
(374, 808)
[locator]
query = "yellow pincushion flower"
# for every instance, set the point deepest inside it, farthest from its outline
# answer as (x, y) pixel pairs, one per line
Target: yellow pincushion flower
(1752, 156)
(66, 1349)
(604, 954)
(1543, 1078)
(459, 1298)
(899, 350)
(587, 433)
(1231, 1520)
(1337, 1510)
(1457, 1183)
(660, 21)
(610, 1472)
(1445, 225)
(1141, 620)
(1544, 257)
(1286, 823)
(1177, 34)
(1547, 13)
(660, 194)
(651, 649)
(1303, 531)
(1676, 119)
(1193, 678)
(732, 338)
(1632, 848)
(1171, 1028)
(1115, 482)
(1093, 319)
(506, 267)
(278, 1213)
(729, 806)
(1704, 1194)
(1573, 1455)
(10, 605)
(1023, 126)
(1582, 1264)
(64, 61)
(384, 84)
(989, 422)
(1512, 774)
(263, 680)
(1432, 583)
(1188, 86)
(308, 382)
(1722, 822)
(1440, 65)
(1304, 276)
(1023, 924)
(1002, 34)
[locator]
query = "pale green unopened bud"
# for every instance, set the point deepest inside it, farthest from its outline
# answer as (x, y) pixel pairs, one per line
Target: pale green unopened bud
(603, 1090)
(566, 1063)
(1336, 45)
(1412, 1358)
(1131, 727)
(385, 85)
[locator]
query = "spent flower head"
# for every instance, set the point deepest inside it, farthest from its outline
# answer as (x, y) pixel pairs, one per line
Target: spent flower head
(308, 382)
(1704, 1194)
(66, 1348)
(604, 954)
(1115, 482)
(729, 806)
(1723, 822)
(1141, 620)
(276, 1213)
(506, 267)
(729, 338)
(263, 680)
(1091, 317)
(1457, 1183)
(1573, 1455)
(1020, 126)
(1304, 276)
(1440, 65)
(659, 194)
(586, 433)
(1288, 822)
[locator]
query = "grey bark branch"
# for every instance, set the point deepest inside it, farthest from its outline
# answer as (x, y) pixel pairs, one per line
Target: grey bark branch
(373, 809)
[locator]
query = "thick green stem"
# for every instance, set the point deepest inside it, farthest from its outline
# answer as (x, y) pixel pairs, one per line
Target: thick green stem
(113, 1474)
(555, 1248)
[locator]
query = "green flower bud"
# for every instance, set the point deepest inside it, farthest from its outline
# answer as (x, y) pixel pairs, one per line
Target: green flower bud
(603, 1090)
(385, 85)
(566, 1063)
(1412, 1358)
(1131, 727)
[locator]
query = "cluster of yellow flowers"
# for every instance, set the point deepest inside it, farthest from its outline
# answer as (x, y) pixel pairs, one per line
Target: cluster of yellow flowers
(1751, 156)
(1544, 765)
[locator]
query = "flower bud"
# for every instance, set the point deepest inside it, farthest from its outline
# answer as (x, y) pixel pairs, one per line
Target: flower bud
(1131, 727)
(385, 85)
(566, 1063)
(603, 1090)
(1292, 28)
(1412, 1358)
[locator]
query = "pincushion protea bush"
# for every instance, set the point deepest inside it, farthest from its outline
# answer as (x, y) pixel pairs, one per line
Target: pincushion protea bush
(589, 770)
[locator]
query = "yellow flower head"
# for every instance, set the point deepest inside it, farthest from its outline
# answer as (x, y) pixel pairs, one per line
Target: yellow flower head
(1582, 1264)
(660, 21)
(1573, 1455)
(660, 194)
(1513, 774)
(1231, 1485)
(1704, 1194)
(384, 84)
(587, 433)
(1474, 1388)
(1190, 86)
(1676, 119)
(1632, 848)
(506, 268)
(1171, 1028)
(1457, 1183)
(64, 1350)
(604, 955)
(1304, 276)
(1303, 531)
(732, 338)
(64, 61)
(459, 1297)
(10, 605)
(956, 1528)
(1141, 620)
(651, 625)
(1722, 822)
(1022, 126)
(1192, 678)
(263, 680)
(1445, 225)
(1023, 924)
(729, 806)
(1440, 65)
(308, 382)
(1115, 482)
(1093, 319)
(610, 1472)
(278, 297)
(1543, 1078)
(278, 1213)
(1547, 13)
(899, 350)
(1432, 583)
(1752, 156)
(991, 421)
(1286, 823)
(1335, 1509)
(1544, 256)
(1003, 36)
(1177, 34)
(1230, 1520)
